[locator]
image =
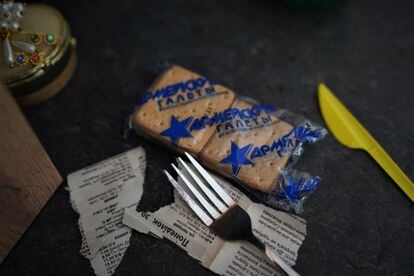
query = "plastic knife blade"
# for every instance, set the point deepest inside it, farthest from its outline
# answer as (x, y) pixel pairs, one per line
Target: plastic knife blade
(348, 131)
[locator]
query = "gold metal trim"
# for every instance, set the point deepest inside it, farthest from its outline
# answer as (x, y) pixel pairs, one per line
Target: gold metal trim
(50, 60)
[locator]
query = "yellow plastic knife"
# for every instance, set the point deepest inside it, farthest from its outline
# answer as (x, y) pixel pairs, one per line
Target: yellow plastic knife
(348, 131)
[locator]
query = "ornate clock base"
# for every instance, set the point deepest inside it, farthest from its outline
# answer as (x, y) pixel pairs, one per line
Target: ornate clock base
(53, 87)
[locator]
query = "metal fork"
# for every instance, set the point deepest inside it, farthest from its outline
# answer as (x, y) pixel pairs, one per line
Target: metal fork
(227, 220)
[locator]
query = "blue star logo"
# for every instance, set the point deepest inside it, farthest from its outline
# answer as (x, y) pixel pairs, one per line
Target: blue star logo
(178, 129)
(297, 189)
(237, 157)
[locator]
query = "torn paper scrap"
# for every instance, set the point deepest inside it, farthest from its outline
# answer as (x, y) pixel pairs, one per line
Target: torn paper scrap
(100, 193)
(176, 222)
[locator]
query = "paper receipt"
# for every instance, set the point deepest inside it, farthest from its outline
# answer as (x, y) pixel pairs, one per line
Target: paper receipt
(99, 193)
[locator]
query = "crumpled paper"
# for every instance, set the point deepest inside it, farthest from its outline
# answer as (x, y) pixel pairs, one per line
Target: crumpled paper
(100, 193)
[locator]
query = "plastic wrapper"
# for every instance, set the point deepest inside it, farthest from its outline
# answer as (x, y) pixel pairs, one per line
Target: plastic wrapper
(176, 98)
(254, 144)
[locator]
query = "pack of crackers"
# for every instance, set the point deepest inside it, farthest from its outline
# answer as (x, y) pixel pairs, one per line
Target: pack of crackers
(252, 143)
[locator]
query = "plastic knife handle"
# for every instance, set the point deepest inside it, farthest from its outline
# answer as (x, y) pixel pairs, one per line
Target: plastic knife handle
(392, 169)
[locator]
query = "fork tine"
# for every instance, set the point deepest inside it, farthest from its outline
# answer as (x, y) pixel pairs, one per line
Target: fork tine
(211, 181)
(210, 209)
(194, 206)
(220, 206)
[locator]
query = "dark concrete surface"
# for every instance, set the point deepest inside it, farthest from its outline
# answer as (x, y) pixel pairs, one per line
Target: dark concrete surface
(359, 222)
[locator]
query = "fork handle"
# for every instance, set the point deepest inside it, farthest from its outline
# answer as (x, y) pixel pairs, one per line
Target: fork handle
(273, 256)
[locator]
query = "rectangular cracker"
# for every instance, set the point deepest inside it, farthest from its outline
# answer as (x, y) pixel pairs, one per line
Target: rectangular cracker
(181, 96)
(259, 173)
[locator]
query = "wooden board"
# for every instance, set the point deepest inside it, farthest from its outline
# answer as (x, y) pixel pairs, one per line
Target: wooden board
(27, 175)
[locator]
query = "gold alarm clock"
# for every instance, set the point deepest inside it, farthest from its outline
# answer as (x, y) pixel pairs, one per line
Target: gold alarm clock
(38, 55)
